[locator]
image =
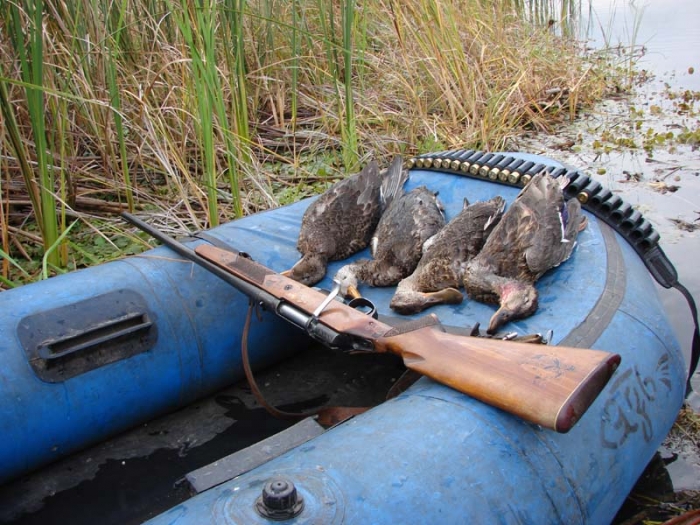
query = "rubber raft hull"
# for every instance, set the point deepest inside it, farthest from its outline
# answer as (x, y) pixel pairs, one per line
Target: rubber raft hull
(429, 455)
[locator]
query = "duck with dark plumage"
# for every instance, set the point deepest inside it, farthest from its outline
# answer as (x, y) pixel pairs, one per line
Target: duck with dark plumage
(440, 272)
(342, 220)
(537, 232)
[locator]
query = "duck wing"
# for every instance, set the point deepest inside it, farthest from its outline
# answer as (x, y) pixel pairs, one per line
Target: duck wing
(393, 180)
(341, 221)
(397, 244)
(558, 225)
(457, 243)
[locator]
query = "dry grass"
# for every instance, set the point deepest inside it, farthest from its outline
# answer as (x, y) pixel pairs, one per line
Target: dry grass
(202, 115)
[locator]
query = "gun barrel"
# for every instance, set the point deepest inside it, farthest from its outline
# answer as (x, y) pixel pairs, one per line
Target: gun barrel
(283, 309)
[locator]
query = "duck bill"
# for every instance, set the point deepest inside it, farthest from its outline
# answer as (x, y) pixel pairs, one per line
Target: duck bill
(413, 302)
(287, 273)
(444, 296)
(501, 317)
(353, 292)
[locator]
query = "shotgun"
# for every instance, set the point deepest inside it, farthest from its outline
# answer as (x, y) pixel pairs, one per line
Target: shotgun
(548, 385)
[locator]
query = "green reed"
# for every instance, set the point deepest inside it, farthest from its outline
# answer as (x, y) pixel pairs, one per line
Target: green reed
(349, 130)
(113, 54)
(31, 54)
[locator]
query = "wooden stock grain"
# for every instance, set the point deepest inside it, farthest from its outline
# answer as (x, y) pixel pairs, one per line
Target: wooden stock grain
(549, 385)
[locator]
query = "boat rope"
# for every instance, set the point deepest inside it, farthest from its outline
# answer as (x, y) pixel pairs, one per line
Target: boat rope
(601, 202)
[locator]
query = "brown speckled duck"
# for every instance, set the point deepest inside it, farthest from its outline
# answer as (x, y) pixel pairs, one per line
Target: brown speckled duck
(396, 247)
(342, 220)
(440, 272)
(538, 232)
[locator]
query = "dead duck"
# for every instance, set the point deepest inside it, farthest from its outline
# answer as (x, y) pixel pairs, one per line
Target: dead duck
(396, 247)
(342, 220)
(440, 272)
(536, 233)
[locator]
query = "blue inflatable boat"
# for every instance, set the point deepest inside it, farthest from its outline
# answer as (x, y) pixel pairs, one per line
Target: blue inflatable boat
(92, 353)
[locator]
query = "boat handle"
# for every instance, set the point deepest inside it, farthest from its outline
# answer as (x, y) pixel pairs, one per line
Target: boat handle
(109, 331)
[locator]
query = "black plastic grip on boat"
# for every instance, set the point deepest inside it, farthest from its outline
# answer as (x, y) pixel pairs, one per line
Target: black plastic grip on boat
(624, 209)
(609, 206)
(73, 339)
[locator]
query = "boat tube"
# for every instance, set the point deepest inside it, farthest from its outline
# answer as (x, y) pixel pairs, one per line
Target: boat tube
(94, 352)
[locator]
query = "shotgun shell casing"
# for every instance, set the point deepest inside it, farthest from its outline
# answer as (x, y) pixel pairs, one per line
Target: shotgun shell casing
(582, 197)
(411, 163)
(514, 177)
(488, 165)
(496, 164)
(454, 165)
(525, 179)
(558, 172)
(465, 154)
(476, 168)
(508, 169)
(467, 162)
(535, 170)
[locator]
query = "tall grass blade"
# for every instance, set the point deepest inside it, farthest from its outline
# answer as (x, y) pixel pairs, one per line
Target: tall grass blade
(112, 56)
(350, 153)
(32, 60)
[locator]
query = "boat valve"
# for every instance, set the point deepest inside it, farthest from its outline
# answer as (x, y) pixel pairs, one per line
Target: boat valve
(279, 500)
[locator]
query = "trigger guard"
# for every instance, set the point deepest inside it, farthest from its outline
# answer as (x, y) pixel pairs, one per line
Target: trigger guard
(362, 302)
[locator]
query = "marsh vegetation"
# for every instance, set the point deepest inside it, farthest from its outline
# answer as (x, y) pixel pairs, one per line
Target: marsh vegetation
(201, 112)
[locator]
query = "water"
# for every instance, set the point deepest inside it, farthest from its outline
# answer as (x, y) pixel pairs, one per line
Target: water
(670, 35)
(663, 185)
(668, 30)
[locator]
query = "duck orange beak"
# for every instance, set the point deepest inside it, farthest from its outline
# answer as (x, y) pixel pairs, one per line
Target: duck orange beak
(287, 273)
(353, 292)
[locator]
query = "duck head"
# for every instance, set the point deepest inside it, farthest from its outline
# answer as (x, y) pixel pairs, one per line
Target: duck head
(517, 301)
(309, 270)
(408, 302)
(347, 279)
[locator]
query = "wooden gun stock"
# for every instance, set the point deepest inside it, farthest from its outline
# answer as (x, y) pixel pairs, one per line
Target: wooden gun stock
(549, 385)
